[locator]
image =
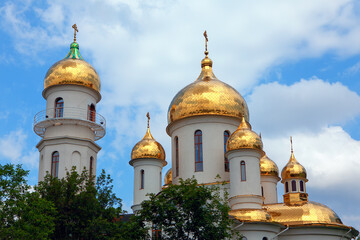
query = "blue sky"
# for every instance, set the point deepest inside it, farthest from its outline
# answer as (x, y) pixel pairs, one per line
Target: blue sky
(296, 63)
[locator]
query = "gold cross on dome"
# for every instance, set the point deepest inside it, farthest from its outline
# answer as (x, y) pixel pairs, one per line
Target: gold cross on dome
(75, 30)
(292, 150)
(148, 117)
(206, 40)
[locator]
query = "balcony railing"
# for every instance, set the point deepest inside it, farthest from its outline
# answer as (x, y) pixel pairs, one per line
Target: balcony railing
(51, 116)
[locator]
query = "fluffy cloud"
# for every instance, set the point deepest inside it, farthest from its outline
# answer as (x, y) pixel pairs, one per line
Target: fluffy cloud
(307, 105)
(13, 148)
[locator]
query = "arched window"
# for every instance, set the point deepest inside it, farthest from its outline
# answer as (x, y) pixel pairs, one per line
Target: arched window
(286, 187)
(265, 238)
(243, 171)
(198, 151)
(293, 186)
(59, 107)
(262, 191)
(91, 113)
(176, 156)
(226, 137)
(142, 180)
(244, 238)
(301, 186)
(91, 166)
(55, 164)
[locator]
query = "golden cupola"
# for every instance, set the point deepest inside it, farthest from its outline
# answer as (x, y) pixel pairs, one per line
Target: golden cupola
(207, 96)
(293, 169)
(73, 70)
(244, 138)
(148, 147)
(268, 167)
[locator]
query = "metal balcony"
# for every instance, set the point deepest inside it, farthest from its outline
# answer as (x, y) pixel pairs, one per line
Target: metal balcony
(52, 117)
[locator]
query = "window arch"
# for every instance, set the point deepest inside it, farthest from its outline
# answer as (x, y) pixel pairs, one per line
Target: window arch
(286, 187)
(243, 171)
(176, 156)
(59, 107)
(293, 185)
(226, 160)
(55, 164)
(198, 151)
(265, 238)
(91, 166)
(142, 180)
(91, 112)
(301, 183)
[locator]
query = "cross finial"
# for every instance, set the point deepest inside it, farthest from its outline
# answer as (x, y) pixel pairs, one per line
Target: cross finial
(75, 30)
(206, 41)
(292, 150)
(148, 117)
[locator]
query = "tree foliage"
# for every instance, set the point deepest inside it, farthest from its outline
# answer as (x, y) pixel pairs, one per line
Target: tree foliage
(23, 214)
(86, 210)
(188, 211)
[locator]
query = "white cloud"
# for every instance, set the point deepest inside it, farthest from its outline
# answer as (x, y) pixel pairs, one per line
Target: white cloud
(13, 148)
(330, 157)
(308, 105)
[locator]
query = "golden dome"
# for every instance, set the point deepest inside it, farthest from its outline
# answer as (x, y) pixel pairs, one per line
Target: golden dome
(268, 167)
(74, 70)
(244, 138)
(251, 215)
(168, 177)
(148, 147)
(308, 213)
(207, 96)
(293, 169)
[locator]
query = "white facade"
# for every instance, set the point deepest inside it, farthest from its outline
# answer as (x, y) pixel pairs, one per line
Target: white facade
(269, 189)
(70, 130)
(213, 128)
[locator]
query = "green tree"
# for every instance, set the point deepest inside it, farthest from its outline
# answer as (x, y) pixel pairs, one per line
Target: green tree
(86, 210)
(188, 211)
(23, 214)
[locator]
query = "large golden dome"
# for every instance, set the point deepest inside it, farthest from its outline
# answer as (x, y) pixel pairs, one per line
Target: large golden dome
(293, 169)
(244, 138)
(207, 96)
(74, 70)
(308, 213)
(268, 167)
(148, 147)
(251, 215)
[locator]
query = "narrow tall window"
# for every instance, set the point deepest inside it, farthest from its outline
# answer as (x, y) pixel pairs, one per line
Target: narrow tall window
(176, 156)
(262, 191)
(55, 164)
(91, 113)
(243, 171)
(91, 166)
(226, 160)
(59, 107)
(142, 180)
(301, 186)
(198, 151)
(293, 186)
(155, 232)
(286, 187)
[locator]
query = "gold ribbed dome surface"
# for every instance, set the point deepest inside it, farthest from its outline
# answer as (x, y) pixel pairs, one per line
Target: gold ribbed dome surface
(74, 70)
(244, 138)
(308, 213)
(293, 169)
(207, 96)
(168, 177)
(268, 167)
(251, 215)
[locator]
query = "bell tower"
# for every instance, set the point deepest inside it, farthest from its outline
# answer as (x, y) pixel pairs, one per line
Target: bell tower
(70, 125)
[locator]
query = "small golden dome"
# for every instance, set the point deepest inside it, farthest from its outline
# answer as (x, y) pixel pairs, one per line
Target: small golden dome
(308, 213)
(168, 177)
(207, 96)
(251, 215)
(244, 138)
(74, 70)
(268, 167)
(293, 168)
(148, 147)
